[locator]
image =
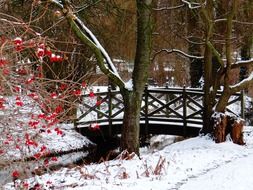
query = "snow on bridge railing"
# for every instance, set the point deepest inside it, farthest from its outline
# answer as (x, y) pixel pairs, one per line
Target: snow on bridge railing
(163, 105)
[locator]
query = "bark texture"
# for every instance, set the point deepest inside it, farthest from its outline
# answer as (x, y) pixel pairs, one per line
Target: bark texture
(131, 126)
(196, 65)
(207, 16)
(224, 125)
(133, 97)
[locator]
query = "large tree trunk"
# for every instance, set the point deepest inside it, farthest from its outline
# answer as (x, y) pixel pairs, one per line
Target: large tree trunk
(212, 76)
(207, 100)
(207, 16)
(223, 101)
(131, 120)
(245, 55)
(132, 97)
(247, 39)
(196, 65)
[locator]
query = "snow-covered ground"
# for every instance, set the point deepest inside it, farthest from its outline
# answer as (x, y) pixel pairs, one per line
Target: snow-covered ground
(196, 163)
(71, 147)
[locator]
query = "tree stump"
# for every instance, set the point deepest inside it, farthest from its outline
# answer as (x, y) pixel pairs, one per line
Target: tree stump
(220, 122)
(236, 132)
(224, 125)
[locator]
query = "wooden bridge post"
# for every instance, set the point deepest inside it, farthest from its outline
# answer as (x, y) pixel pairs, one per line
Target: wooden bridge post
(242, 104)
(110, 110)
(75, 123)
(184, 112)
(167, 99)
(98, 105)
(146, 110)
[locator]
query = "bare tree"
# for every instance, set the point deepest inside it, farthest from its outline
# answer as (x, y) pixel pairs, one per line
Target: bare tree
(227, 63)
(219, 21)
(133, 90)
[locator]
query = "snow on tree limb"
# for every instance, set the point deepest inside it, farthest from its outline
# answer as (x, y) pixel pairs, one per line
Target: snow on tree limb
(179, 52)
(93, 38)
(242, 63)
(243, 84)
(168, 8)
(89, 39)
(234, 21)
(56, 2)
(100, 58)
(99, 46)
(193, 5)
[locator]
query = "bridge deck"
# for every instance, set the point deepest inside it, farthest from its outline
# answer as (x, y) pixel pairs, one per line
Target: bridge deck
(153, 128)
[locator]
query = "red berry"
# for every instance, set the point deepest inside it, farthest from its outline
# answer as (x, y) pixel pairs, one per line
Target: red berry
(53, 57)
(37, 155)
(53, 95)
(43, 148)
(18, 41)
(6, 71)
(48, 52)
(58, 109)
(54, 159)
(94, 127)
(91, 94)
(25, 185)
(15, 174)
(19, 103)
(42, 46)
(59, 58)
(3, 62)
(77, 92)
(83, 84)
(40, 52)
(98, 103)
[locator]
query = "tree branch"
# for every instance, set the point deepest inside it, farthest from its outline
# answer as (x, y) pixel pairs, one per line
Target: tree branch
(216, 53)
(241, 64)
(87, 37)
(234, 21)
(179, 52)
(243, 84)
(169, 8)
(193, 5)
(56, 2)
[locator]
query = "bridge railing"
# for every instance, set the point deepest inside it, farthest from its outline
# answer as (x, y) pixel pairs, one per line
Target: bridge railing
(176, 106)
(164, 105)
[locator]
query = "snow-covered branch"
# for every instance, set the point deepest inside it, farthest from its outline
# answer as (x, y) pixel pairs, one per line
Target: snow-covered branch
(99, 46)
(169, 8)
(169, 51)
(87, 37)
(243, 84)
(193, 5)
(56, 2)
(234, 21)
(189, 40)
(242, 63)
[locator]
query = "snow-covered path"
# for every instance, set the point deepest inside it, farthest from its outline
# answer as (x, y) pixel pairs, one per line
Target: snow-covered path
(237, 174)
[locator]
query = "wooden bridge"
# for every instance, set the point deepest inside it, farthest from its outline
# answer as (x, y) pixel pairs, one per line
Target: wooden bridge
(175, 111)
